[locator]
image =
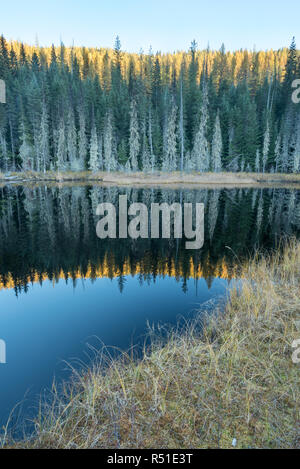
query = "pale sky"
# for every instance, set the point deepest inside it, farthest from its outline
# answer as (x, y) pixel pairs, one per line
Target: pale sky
(167, 25)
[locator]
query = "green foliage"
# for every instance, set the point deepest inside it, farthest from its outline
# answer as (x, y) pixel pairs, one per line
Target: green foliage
(56, 96)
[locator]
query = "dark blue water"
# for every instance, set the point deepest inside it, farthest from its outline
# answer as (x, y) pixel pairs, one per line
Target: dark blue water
(65, 293)
(50, 324)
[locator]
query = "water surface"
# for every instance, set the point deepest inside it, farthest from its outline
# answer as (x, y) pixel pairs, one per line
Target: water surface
(63, 290)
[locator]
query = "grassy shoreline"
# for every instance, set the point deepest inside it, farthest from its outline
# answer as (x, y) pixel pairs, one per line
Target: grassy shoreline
(157, 178)
(235, 379)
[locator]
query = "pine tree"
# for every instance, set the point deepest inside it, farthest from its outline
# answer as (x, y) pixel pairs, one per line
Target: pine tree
(152, 156)
(110, 163)
(278, 154)
(134, 139)
(266, 147)
(257, 161)
(72, 141)
(100, 152)
(287, 136)
(146, 156)
(192, 93)
(61, 147)
(200, 153)
(216, 150)
(44, 154)
(94, 157)
(290, 73)
(181, 127)
(82, 139)
(26, 150)
(3, 151)
(170, 156)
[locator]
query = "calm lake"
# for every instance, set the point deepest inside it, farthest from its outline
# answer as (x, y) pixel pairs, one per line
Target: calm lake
(64, 292)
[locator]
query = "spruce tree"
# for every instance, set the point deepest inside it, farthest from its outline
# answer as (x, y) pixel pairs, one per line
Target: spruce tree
(94, 157)
(266, 147)
(134, 139)
(61, 148)
(26, 150)
(216, 150)
(170, 156)
(43, 148)
(200, 154)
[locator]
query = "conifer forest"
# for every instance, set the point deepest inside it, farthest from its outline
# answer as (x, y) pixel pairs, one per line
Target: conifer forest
(77, 109)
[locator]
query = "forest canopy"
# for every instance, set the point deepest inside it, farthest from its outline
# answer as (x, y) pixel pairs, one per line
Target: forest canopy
(70, 108)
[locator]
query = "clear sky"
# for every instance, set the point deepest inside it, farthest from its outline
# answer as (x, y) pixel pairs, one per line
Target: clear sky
(166, 25)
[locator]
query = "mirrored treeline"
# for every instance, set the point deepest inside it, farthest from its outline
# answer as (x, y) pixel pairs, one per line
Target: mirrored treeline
(50, 233)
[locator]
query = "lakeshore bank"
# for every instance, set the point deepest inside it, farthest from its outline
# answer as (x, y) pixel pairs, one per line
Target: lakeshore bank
(155, 179)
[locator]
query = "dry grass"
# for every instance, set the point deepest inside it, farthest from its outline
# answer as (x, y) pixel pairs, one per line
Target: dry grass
(54, 176)
(236, 379)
